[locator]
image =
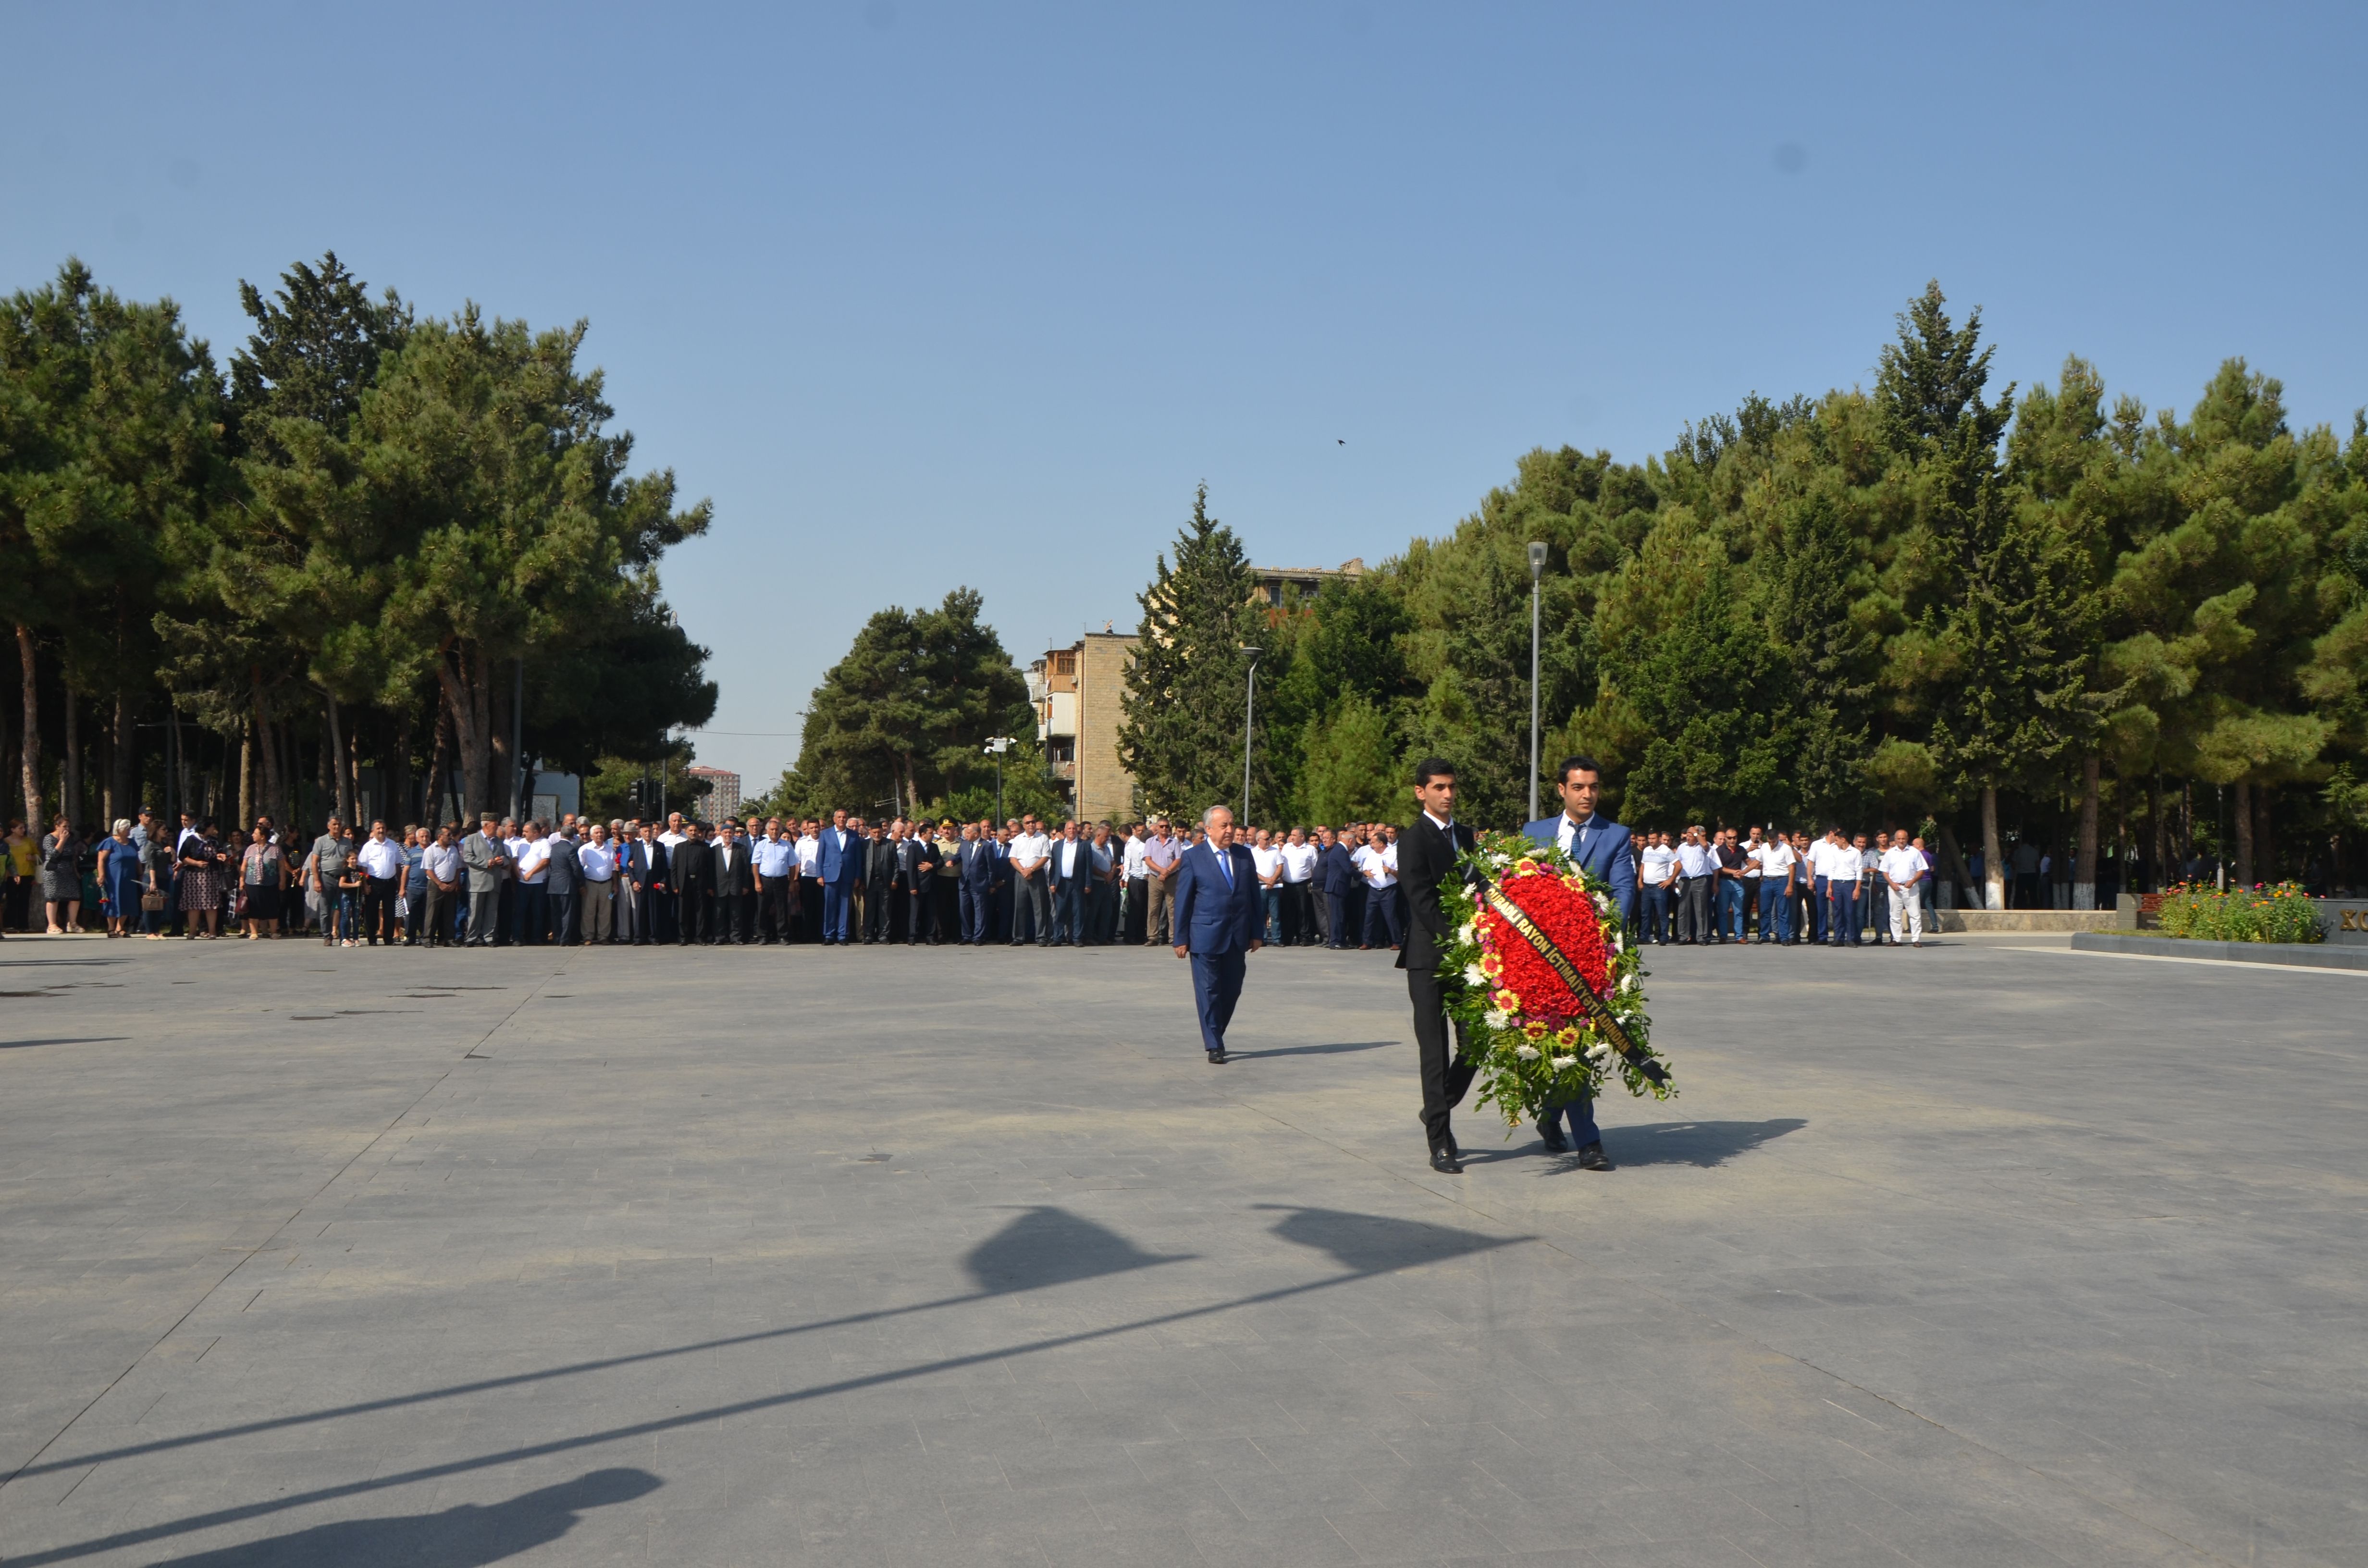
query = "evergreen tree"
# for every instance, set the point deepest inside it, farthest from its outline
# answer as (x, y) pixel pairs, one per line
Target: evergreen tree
(1181, 736)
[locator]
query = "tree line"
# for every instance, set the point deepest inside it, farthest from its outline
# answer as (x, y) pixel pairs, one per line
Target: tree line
(383, 543)
(2093, 625)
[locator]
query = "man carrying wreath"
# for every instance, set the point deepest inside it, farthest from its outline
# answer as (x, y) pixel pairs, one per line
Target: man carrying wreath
(1600, 847)
(1427, 857)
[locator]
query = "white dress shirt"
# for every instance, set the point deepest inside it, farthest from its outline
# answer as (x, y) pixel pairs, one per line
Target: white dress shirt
(599, 862)
(1696, 860)
(1902, 865)
(1298, 863)
(1136, 865)
(533, 860)
(380, 856)
(1658, 858)
(1267, 861)
(441, 861)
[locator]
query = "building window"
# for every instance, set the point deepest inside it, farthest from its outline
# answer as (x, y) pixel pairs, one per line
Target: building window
(1061, 748)
(1064, 663)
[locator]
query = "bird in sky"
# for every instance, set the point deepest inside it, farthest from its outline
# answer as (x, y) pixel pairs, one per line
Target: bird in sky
(1340, 443)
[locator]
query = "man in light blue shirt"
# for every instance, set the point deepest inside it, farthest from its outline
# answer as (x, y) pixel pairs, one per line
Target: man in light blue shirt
(776, 865)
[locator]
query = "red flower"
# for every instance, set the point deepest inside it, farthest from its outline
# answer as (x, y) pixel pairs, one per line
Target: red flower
(1567, 917)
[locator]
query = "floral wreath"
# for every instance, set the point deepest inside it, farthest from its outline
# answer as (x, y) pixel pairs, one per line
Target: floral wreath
(1529, 1033)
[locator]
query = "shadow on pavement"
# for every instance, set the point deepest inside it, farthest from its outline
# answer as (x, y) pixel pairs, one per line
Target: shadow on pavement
(1702, 1144)
(1052, 1247)
(459, 1537)
(1370, 1243)
(1367, 1245)
(70, 1039)
(1313, 1050)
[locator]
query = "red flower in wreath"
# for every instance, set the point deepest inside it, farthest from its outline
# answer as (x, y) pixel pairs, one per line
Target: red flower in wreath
(1566, 914)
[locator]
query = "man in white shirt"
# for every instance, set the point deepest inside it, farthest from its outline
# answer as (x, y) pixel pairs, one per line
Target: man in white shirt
(596, 865)
(440, 867)
(532, 858)
(1031, 887)
(1777, 867)
(383, 867)
(1136, 872)
(1836, 867)
(1697, 865)
(1377, 862)
(1299, 889)
(672, 834)
(775, 862)
(1903, 867)
(1267, 859)
(1656, 876)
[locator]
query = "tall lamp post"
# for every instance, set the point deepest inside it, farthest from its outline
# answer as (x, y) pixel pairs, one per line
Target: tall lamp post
(996, 746)
(1537, 567)
(1250, 715)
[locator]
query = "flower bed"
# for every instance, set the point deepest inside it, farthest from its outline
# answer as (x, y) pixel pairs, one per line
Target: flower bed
(2260, 913)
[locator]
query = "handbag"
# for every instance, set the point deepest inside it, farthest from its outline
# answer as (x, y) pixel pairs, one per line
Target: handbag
(152, 900)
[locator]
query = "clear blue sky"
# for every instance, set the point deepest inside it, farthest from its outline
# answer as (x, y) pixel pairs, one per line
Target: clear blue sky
(925, 294)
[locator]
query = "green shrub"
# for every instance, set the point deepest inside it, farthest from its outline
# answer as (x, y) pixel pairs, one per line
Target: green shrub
(2258, 913)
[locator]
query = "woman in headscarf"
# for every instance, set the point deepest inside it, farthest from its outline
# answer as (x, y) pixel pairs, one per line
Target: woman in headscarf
(120, 880)
(201, 883)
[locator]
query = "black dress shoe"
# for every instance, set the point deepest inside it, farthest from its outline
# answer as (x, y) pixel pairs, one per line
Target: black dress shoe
(1216, 1059)
(1592, 1158)
(1443, 1160)
(1555, 1143)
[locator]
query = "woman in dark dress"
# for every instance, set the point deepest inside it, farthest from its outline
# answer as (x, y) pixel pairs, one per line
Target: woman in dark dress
(201, 883)
(62, 878)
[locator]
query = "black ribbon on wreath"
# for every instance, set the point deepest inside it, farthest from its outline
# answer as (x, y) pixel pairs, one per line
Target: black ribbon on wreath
(1598, 1011)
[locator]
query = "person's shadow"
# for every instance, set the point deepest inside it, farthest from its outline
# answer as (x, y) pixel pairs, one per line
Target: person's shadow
(1702, 1144)
(461, 1537)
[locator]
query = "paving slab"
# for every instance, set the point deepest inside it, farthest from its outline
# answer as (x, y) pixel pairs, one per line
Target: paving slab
(1990, 1253)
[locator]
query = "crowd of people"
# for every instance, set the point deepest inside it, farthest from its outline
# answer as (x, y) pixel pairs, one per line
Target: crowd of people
(765, 882)
(1722, 886)
(735, 882)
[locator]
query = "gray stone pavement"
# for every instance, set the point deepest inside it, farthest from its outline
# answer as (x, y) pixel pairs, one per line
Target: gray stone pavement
(1989, 1253)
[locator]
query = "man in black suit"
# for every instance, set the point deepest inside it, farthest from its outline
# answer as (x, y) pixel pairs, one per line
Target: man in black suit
(694, 886)
(880, 903)
(736, 888)
(976, 861)
(916, 873)
(1427, 853)
(1335, 875)
(1072, 870)
(642, 863)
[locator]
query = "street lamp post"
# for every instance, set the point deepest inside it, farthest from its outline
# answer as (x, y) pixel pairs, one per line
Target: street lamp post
(1537, 567)
(996, 746)
(1249, 715)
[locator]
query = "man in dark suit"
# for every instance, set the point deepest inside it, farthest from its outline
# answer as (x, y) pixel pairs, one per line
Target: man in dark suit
(975, 861)
(1218, 922)
(917, 881)
(694, 887)
(736, 887)
(1072, 870)
(883, 900)
(564, 881)
(843, 862)
(1427, 854)
(1600, 847)
(1335, 875)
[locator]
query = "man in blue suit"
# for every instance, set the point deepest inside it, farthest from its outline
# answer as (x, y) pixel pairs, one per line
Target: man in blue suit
(1218, 922)
(1336, 873)
(1600, 847)
(844, 853)
(975, 862)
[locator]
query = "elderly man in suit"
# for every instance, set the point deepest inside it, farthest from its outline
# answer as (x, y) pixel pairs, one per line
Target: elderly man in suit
(564, 883)
(976, 862)
(1600, 845)
(733, 866)
(692, 863)
(1218, 921)
(487, 860)
(843, 859)
(1426, 856)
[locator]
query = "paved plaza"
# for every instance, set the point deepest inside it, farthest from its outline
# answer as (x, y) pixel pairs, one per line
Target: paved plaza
(1985, 1255)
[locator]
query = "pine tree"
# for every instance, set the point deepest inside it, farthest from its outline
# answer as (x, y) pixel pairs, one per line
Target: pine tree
(1181, 736)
